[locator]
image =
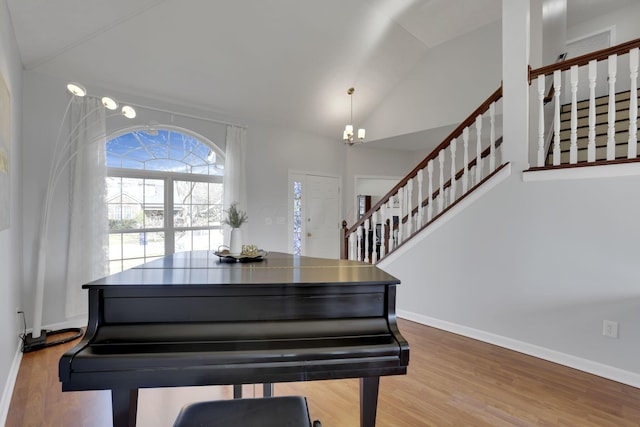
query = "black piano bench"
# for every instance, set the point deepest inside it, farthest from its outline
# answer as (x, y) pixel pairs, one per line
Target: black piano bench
(281, 411)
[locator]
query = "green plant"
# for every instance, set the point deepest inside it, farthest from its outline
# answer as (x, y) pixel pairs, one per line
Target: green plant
(235, 217)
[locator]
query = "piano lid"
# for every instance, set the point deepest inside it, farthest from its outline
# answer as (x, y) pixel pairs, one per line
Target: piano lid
(199, 268)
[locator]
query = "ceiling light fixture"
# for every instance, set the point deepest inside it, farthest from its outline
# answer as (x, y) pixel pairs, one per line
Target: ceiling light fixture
(347, 135)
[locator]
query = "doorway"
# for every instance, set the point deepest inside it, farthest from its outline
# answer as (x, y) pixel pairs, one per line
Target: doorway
(314, 215)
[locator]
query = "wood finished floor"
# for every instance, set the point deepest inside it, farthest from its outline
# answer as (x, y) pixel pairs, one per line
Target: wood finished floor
(452, 381)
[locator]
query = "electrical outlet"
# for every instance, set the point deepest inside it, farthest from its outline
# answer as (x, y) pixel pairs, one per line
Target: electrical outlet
(610, 328)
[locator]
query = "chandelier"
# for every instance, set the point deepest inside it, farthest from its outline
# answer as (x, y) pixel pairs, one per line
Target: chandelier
(348, 134)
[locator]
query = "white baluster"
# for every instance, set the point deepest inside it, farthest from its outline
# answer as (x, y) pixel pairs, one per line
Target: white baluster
(353, 243)
(367, 243)
(420, 221)
(611, 130)
(478, 149)
(400, 224)
(430, 195)
(632, 151)
(452, 192)
(557, 85)
(591, 145)
(441, 199)
(573, 148)
(492, 136)
(359, 244)
(374, 246)
(383, 238)
(409, 207)
(541, 87)
(465, 170)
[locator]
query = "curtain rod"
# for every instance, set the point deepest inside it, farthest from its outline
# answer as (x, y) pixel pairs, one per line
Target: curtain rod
(191, 116)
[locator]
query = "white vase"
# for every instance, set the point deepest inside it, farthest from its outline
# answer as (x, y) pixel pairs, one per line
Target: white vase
(235, 242)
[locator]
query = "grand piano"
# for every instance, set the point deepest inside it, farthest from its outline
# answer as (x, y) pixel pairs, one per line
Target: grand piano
(192, 319)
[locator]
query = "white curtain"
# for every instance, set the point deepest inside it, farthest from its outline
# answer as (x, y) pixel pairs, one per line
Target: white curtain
(235, 186)
(88, 220)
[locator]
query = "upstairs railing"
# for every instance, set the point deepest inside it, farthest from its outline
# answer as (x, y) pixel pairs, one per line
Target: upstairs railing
(444, 177)
(592, 116)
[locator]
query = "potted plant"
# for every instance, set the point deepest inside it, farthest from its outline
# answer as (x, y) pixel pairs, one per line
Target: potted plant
(234, 219)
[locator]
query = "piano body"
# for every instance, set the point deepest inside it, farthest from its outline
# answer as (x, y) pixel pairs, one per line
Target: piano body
(190, 319)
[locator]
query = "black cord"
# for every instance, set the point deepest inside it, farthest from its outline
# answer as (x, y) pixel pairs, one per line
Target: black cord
(29, 345)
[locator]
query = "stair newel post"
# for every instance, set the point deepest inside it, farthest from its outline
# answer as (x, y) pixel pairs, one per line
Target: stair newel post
(344, 247)
(478, 149)
(541, 88)
(430, 194)
(465, 166)
(441, 198)
(573, 148)
(409, 227)
(420, 178)
(557, 85)
(492, 137)
(452, 191)
(366, 239)
(591, 145)
(632, 149)
(611, 130)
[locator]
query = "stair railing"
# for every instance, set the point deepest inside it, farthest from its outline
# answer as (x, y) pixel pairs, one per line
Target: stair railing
(437, 183)
(589, 83)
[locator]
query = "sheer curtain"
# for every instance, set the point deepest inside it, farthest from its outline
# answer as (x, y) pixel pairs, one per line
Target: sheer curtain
(88, 220)
(235, 186)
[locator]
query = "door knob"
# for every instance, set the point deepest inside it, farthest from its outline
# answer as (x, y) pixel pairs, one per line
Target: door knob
(308, 234)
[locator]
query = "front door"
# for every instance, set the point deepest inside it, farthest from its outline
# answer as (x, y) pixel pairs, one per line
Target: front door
(315, 215)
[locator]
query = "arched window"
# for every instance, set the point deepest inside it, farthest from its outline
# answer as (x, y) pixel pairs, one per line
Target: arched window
(164, 195)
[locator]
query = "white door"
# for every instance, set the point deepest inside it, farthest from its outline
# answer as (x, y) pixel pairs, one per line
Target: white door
(317, 222)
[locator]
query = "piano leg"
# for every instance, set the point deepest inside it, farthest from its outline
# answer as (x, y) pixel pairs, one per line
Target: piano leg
(267, 390)
(368, 401)
(237, 391)
(124, 405)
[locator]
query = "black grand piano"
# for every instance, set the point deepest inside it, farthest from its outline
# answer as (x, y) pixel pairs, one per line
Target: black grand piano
(192, 319)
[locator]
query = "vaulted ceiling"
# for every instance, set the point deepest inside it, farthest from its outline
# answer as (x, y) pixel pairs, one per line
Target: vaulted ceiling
(287, 62)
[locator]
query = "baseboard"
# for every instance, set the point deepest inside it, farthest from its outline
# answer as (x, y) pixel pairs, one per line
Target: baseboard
(585, 365)
(9, 385)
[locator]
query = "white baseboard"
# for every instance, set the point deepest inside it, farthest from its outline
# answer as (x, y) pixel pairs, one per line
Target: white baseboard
(585, 365)
(7, 393)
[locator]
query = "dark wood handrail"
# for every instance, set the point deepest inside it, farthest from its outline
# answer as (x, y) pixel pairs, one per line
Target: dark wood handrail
(444, 144)
(598, 55)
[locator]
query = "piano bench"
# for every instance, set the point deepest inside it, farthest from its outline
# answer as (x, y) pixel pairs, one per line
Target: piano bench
(282, 411)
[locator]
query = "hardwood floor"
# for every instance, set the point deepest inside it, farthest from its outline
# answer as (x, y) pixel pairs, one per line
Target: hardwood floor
(452, 381)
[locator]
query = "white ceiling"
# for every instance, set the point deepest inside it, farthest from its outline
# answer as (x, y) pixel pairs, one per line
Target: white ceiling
(287, 62)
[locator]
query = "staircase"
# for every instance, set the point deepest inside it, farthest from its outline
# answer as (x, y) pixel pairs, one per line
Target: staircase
(471, 156)
(622, 100)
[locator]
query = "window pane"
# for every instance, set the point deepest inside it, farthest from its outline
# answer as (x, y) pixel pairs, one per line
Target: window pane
(183, 241)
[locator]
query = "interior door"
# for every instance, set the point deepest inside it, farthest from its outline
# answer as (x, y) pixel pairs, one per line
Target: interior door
(322, 217)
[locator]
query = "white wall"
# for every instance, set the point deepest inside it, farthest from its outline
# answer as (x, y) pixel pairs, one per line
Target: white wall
(10, 242)
(624, 21)
(540, 263)
(430, 97)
